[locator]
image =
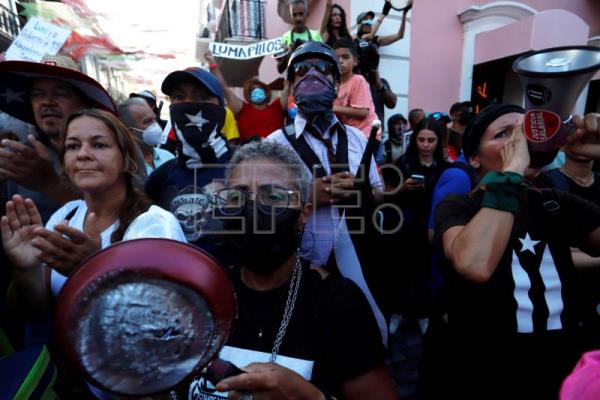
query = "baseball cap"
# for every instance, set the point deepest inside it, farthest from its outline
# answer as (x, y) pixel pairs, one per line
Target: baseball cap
(203, 77)
(145, 94)
(364, 14)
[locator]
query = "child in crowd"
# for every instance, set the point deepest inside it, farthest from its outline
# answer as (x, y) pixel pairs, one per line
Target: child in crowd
(353, 105)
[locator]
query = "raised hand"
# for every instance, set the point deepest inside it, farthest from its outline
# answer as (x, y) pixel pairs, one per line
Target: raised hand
(18, 232)
(515, 155)
(31, 167)
(66, 247)
(585, 142)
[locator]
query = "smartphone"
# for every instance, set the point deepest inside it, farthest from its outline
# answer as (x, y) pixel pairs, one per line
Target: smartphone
(418, 178)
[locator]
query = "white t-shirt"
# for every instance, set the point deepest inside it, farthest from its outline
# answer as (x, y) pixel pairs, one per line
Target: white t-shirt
(154, 223)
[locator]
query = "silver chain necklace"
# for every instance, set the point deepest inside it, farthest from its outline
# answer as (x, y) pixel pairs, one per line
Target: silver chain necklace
(289, 308)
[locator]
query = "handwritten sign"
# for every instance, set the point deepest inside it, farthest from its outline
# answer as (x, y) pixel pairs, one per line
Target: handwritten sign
(254, 50)
(37, 38)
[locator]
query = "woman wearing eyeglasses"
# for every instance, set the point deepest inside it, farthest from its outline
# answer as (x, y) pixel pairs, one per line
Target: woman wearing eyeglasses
(298, 334)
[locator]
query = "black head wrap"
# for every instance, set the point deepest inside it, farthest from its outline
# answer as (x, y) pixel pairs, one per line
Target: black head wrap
(476, 128)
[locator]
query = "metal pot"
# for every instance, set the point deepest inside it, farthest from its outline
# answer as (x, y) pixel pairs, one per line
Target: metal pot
(142, 316)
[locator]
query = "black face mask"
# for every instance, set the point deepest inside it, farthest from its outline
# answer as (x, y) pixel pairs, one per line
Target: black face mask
(267, 241)
(198, 128)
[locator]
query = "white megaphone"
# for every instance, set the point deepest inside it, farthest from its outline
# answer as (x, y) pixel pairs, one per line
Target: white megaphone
(553, 79)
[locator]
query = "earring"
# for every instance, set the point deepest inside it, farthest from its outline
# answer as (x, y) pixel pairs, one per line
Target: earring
(305, 254)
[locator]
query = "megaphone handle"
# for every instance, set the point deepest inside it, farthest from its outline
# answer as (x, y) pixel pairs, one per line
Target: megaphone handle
(569, 125)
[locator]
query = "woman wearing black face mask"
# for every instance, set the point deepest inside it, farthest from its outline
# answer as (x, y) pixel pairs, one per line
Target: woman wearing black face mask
(297, 335)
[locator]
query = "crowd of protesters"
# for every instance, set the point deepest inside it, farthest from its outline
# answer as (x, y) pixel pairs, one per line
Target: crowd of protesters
(434, 220)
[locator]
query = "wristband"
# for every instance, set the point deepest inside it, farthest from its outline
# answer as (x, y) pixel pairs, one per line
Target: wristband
(502, 191)
(213, 66)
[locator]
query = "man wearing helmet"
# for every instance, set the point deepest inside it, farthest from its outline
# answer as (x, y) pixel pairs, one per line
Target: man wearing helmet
(332, 153)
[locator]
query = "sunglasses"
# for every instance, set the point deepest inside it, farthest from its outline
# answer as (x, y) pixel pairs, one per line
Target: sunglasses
(301, 68)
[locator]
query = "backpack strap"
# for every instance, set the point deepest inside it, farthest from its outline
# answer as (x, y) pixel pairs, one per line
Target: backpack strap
(308, 156)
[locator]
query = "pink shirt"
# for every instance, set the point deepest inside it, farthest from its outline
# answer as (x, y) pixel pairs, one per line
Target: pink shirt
(355, 93)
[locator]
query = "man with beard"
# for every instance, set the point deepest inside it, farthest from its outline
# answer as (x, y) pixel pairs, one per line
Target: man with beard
(185, 184)
(43, 94)
(332, 153)
(298, 334)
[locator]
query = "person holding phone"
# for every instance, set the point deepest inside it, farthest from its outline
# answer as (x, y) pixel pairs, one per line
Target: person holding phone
(411, 189)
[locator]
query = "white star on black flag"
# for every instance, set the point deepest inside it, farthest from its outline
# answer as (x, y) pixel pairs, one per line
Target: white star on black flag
(10, 96)
(196, 120)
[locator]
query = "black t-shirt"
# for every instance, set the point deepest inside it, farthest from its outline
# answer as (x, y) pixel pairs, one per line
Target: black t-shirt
(332, 336)
(556, 179)
(187, 194)
(525, 317)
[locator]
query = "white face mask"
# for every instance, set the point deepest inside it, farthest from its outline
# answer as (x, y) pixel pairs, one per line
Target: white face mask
(152, 135)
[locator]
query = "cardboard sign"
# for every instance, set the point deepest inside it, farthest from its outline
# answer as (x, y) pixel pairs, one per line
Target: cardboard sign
(254, 50)
(37, 38)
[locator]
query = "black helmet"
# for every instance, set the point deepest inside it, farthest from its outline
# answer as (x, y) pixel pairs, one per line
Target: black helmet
(314, 49)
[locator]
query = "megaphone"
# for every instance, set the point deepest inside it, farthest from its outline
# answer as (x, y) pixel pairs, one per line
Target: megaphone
(553, 79)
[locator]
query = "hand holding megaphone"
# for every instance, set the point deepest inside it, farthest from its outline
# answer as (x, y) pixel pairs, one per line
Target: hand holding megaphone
(585, 141)
(553, 79)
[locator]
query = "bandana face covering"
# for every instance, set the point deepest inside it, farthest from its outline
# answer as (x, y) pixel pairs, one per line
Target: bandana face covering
(198, 127)
(314, 95)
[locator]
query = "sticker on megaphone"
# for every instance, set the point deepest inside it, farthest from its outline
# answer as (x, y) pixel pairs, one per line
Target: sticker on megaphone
(541, 125)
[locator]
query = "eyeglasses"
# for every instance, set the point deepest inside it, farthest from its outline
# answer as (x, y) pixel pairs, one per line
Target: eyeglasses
(301, 68)
(270, 199)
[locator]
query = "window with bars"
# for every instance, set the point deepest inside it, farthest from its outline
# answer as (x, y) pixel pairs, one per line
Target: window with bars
(246, 19)
(9, 22)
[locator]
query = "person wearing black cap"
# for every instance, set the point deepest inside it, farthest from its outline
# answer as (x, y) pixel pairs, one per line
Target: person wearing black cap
(185, 184)
(369, 42)
(511, 312)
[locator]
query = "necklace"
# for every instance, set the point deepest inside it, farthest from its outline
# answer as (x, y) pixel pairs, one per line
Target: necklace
(289, 308)
(292, 294)
(585, 182)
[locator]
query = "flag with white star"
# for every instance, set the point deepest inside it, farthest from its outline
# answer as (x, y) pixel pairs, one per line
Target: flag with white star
(15, 96)
(198, 127)
(17, 77)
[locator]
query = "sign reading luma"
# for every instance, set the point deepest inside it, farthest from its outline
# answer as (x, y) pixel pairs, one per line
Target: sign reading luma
(239, 52)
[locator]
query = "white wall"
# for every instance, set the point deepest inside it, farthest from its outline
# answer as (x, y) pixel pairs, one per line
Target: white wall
(395, 58)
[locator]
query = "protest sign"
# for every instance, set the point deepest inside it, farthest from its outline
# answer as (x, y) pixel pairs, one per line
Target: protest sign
(254, 50)
(37, 38)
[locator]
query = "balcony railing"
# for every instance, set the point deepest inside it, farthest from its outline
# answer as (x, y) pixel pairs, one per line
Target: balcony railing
(246, 19)
(9, 22)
